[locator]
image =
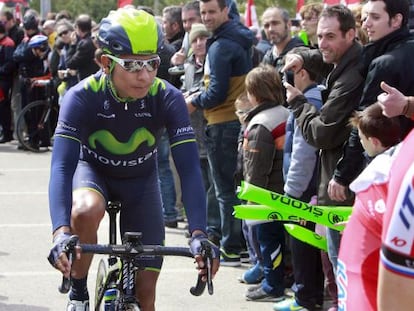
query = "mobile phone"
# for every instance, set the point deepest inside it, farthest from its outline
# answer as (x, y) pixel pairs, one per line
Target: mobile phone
(287, 76)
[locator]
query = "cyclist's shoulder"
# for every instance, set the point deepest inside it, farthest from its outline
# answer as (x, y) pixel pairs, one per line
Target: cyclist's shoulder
(161, 88)
(93, 84)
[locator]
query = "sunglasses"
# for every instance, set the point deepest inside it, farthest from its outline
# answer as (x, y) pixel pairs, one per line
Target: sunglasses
(43, 48)
(135, 65)
(65, 32)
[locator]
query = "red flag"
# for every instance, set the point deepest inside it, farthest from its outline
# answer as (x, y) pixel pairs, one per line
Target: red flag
(345, 2)
(250, 15)
(299, 4)
(331, 2)
(18, 13)
(122, 3)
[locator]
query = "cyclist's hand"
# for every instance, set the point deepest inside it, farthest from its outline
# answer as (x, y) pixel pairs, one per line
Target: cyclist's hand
(196, 248)
(57, 257)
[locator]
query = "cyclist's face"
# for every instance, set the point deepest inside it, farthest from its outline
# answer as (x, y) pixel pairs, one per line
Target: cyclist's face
(132, 84)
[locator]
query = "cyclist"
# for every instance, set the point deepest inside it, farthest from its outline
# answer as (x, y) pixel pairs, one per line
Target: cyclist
(396, 268)
(105, 148)
(37, 53)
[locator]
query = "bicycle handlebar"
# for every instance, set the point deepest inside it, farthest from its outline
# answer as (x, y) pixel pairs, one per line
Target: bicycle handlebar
(139, 251)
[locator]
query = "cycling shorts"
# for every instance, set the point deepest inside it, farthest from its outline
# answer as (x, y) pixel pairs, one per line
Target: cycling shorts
(141, 205)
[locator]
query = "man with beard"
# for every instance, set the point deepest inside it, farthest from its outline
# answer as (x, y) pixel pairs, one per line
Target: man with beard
(277, 26)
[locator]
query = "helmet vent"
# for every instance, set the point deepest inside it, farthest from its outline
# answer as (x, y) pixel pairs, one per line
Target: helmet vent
(116, 47)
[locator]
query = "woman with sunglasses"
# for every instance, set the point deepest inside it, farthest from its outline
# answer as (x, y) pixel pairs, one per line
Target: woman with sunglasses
(105, 148)
(64, 30)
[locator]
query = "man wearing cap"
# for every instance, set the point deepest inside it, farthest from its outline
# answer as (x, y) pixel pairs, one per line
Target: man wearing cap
(193, 82)
(31, 62)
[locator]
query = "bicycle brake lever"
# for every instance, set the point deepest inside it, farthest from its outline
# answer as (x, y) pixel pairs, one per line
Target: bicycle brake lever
(207, 255)
(69, 250)
(198, 289)
(209, 276)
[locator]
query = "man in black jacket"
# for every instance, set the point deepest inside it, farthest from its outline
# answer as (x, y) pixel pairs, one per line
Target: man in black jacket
(388, 57)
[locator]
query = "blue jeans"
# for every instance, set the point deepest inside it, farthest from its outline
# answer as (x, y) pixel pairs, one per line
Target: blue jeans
(213, 209)
(334, 239)
(166, 179)
(271, 237)
(221, 143)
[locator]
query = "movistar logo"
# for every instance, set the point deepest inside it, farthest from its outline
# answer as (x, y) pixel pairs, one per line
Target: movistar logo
(108, 141)
(95, 85)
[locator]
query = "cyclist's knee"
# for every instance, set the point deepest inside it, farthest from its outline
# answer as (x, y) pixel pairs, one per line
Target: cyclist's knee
(88, 208)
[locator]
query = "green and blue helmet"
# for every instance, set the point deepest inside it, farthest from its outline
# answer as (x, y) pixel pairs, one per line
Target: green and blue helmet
(129, 31)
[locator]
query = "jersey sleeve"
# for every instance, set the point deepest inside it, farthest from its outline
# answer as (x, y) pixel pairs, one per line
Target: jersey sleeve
(63, 165)
(185, 154)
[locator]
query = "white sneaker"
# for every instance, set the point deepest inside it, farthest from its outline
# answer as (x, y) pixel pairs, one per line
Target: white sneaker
(75, 305)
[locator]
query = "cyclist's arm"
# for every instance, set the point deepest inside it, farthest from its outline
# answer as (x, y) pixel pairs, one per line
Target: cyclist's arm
(396, 268)
(65, 158)
(187, 162)
(394, 290)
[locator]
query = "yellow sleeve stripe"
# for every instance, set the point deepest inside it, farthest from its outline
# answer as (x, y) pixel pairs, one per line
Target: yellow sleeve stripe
(183, 142)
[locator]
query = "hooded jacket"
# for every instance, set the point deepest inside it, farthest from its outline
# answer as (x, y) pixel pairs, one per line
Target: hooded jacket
(227, 64)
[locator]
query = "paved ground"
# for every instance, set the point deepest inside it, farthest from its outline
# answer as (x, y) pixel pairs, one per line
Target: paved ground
(27, 282)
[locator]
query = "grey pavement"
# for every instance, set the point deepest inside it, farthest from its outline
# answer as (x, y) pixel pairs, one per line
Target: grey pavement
(28, 282)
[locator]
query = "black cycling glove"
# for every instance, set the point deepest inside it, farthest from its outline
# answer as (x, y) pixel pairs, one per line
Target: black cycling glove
(200, 241)
(59, 243)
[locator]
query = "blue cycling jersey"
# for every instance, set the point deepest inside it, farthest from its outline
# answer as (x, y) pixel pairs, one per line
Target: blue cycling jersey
(120, 141)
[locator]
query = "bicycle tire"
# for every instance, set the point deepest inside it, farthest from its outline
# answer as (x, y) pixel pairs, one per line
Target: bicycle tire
(101, 275)
(36, 124)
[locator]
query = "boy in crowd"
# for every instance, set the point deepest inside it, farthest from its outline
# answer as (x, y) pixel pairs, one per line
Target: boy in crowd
(357, 273)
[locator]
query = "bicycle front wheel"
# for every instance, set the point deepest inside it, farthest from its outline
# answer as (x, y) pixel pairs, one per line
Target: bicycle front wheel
(101, 276)
(36, 124)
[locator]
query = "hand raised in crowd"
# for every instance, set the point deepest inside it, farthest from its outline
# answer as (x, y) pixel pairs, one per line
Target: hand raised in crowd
(73, 38)
(179, 57)
(188, 99)
(392, 101)
(293, 62)
(291, 91)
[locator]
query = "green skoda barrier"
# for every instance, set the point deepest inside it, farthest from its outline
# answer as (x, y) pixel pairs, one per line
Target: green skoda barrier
(324, 215)
(307, 236)
(266, 213)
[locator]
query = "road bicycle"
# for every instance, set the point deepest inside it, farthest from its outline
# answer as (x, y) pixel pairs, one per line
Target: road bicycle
(115, 280)
(36, 122)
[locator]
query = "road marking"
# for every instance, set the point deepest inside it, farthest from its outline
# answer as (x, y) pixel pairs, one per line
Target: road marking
(45, 169)
(24, 193)
(23, 225)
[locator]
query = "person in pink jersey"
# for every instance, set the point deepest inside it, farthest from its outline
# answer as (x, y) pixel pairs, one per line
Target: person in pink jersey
(396, 268)
(357, 271)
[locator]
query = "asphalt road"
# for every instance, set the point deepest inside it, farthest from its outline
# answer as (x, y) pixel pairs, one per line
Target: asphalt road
(28, 282)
